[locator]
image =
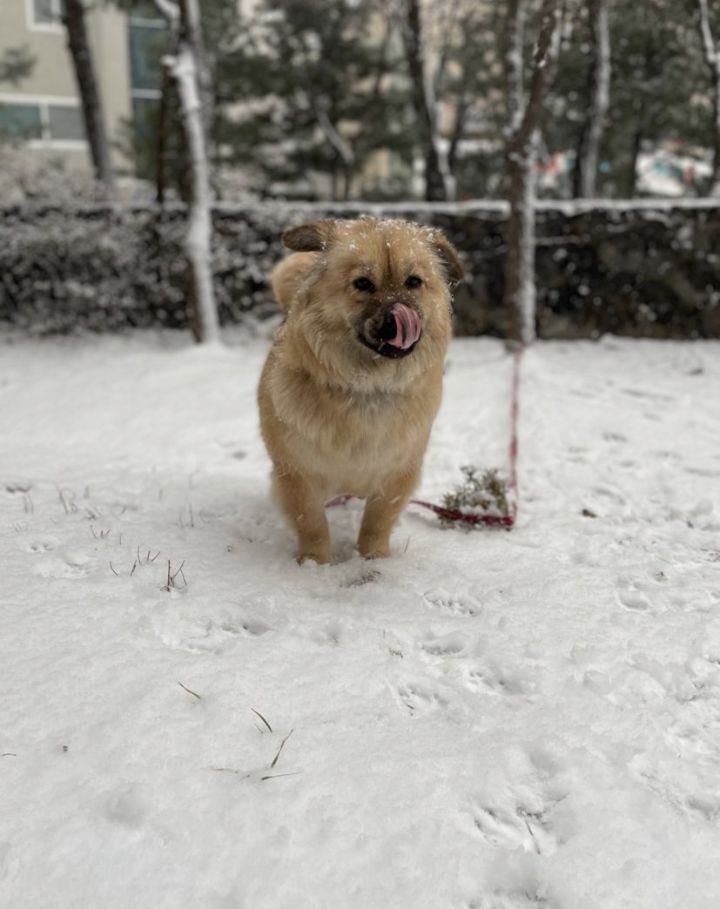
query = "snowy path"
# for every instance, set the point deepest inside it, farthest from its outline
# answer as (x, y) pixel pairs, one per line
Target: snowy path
(491, 720)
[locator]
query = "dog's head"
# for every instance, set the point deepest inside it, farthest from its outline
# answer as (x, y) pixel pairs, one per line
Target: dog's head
(379, 292)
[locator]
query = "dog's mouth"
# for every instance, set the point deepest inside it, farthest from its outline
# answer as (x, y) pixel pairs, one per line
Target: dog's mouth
(394, 334)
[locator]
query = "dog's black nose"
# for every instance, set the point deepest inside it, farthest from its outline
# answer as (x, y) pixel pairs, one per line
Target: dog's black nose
(388, 328)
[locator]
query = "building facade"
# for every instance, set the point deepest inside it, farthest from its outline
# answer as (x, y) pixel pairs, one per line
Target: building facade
(42, 111)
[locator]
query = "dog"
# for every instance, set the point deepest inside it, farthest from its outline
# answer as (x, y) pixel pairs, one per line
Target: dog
(353, 380)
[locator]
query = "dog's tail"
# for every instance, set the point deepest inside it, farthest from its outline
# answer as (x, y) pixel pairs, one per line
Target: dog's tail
(289, 274)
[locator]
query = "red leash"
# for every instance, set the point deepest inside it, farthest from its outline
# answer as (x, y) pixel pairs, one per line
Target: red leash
(469, 517)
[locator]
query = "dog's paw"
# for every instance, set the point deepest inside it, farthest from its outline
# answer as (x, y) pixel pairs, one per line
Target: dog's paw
(375, 552)
(373, 548)
(321, 557)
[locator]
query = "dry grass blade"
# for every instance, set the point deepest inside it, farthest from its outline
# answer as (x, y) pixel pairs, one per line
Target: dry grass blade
(282, 745)
(276, 776)
(257, 713)
(190, 691)
(230, 770)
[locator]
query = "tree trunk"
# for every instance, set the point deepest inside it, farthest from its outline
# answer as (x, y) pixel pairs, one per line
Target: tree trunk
(520, 263)
(461, 110)
(711, 52)
(588, 153)
(79, 48)
(184, 20)
(631, 178)
(715, 182)
(514, 63)
(162, 137)
(519, 268)
(423, 105)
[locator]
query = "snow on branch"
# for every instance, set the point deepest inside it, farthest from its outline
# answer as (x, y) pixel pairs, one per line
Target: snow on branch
(169, 11)
(712, 54)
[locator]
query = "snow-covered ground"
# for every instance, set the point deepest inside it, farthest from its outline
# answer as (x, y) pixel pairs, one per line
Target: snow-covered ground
(497, 720)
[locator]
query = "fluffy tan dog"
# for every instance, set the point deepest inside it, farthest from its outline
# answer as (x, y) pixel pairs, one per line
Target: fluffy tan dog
(353, 380)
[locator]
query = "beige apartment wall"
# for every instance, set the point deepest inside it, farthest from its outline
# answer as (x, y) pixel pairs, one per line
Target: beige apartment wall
(52, 75)
(109, 39)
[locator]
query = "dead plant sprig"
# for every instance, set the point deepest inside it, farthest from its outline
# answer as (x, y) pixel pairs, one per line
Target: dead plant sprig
(170, 583)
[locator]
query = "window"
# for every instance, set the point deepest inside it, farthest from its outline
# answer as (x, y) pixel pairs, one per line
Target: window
(147, 41)
(41, 120)
(147, 45)
(20, 121)
(45, 13)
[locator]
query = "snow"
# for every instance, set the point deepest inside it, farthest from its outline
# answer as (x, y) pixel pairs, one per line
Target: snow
(492, 719)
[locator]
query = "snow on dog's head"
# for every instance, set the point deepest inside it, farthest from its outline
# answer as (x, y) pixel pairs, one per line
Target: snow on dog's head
(376, 300)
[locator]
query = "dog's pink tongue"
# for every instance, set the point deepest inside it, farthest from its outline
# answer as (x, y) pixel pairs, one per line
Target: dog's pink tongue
(407, 325)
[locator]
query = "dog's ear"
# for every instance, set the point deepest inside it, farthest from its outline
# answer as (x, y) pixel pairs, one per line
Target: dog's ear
(311, 237)
(448, 256)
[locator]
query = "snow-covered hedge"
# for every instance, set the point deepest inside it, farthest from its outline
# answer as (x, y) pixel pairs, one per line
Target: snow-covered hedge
(645, 268)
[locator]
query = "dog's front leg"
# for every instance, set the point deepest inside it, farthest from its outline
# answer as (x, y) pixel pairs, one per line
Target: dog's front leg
(303, 502)
(381, 513)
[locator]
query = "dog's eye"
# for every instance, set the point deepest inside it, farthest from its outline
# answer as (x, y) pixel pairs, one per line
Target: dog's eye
(413, 281)
(364, 284)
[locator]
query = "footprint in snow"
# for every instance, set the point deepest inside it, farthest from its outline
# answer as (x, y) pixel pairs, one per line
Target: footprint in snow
(706, 806)
(62, 564)
(635, 600)
(456, 604)
(517, 828)
(366, 576)
(490, 678)
(445, 645)
(514, 898)
(419, 698)
(205, 635)
(40, 546)
(126, 807)
(519, 816)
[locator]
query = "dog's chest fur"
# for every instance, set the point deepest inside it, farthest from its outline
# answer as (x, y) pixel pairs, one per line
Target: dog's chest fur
(346, 435)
